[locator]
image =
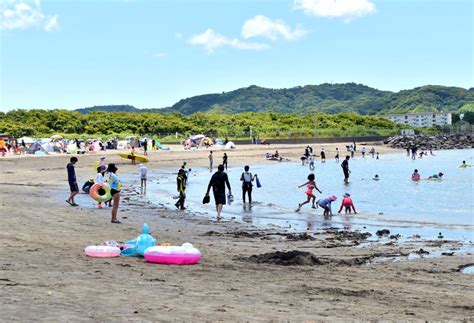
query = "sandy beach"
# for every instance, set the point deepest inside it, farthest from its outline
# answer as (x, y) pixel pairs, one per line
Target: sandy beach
(45, 275)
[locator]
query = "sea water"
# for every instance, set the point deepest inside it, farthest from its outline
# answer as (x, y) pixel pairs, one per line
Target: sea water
(429, 208)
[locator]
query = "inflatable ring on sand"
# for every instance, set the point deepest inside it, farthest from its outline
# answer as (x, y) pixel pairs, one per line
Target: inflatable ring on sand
(102, 251)
(100, 193)
(185, 254)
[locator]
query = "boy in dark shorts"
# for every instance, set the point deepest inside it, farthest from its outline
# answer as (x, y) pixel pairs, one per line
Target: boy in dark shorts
(71, 178)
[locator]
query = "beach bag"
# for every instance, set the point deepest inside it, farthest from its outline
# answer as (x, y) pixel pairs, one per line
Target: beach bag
(230, 198)
(258, 182)
(206, 199)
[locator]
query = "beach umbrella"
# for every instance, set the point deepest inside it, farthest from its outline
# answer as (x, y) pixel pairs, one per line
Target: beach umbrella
(56, 136)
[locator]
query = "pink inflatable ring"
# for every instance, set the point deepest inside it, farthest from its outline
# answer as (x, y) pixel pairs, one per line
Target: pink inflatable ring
(102, 251)
(185, 254)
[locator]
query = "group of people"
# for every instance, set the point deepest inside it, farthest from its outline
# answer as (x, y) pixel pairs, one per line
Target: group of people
(105, 174)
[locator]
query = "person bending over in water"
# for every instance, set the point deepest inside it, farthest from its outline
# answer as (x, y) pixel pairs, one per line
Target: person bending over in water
(326, 204)
(311, 185)
(436, 176)
(376, 177)
(415, 176)
(347, 204)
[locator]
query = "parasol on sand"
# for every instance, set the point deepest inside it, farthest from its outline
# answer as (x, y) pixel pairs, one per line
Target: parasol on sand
(56, 137)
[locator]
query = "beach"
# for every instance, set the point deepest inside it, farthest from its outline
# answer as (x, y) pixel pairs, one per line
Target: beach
(46, 276)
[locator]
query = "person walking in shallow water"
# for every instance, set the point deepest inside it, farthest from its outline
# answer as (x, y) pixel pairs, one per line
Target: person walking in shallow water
(218, 183)
(345, 169)
(211, 160)
(247, 178)
(224, 161)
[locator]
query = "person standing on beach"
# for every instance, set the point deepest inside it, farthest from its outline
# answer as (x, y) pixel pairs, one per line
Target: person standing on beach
(345, 169)
(363, 152)
(218, 183)
(145, 147)
(115, 188)
(211, 160)
(337, 155)
(71, 178)
(372, 152)
(143, 172)
(132, 153)
(99, 179)
(181, 188)
(224, 161)
(247, 178)
(413, 152)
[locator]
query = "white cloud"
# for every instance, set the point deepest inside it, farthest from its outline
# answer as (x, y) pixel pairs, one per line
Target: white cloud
(346, 9)
(212, 40)
(261, 26)
(24, 14)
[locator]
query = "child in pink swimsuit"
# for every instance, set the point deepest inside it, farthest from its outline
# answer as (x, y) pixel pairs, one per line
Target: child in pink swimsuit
(311, 185)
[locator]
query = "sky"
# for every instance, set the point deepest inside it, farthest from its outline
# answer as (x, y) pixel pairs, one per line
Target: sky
(73, 54)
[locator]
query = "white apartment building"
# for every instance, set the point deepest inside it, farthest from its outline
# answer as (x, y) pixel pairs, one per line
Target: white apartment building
(428, 119)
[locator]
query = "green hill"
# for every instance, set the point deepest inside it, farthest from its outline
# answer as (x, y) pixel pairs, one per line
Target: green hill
(328, 98)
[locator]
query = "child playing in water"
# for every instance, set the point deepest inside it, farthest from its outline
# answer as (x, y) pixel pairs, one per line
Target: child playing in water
(326, 204)
(376, 177)
(436, 176)
(415, 176)
(311, 185)
(347, 204)
(311, 162)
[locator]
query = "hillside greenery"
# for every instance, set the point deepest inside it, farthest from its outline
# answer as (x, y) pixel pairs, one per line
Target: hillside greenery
(326, 98)
(329, 98)
(44, 123)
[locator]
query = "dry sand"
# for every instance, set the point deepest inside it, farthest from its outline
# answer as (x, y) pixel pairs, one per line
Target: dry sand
(45, 276)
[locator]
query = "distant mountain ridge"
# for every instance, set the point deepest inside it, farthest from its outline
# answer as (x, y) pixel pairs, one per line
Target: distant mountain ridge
(327, 98)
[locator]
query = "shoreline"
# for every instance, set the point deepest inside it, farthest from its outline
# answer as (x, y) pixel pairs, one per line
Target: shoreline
(45, 275)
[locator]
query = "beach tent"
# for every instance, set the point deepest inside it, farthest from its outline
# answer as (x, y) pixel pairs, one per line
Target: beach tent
(230, 145)
(27, 140)
(51, 147)
(36, 146)
(71, 148)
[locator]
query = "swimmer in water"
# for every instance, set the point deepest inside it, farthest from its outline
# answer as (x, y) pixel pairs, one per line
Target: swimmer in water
(415, 176)
(464, 165)
(436, 176)
(376, 177)
(326, 204)
(311, 185)
(347, 204)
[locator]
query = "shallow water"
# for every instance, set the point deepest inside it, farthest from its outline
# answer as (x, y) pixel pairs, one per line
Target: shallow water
(432, 209)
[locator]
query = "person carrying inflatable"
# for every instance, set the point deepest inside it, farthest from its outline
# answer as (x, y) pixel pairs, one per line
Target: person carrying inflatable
(415, 176)
(347, 204)
(99, 179)
(311, 185)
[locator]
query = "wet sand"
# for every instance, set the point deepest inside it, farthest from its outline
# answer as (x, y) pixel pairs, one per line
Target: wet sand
(334, 275)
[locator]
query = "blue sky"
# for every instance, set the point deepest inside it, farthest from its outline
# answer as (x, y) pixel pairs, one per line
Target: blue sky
(150, 54)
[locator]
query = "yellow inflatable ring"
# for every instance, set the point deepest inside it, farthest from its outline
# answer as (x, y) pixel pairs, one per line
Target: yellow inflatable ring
(100, 193)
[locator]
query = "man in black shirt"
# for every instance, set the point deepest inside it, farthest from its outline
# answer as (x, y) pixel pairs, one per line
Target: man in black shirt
(345, 169)
(71, 178)
(218, 183)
